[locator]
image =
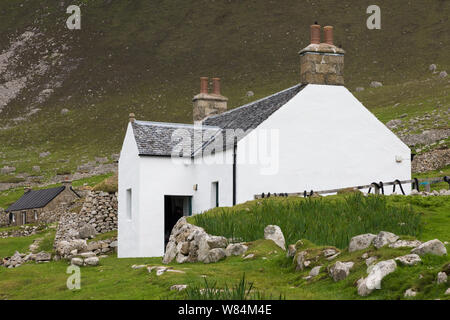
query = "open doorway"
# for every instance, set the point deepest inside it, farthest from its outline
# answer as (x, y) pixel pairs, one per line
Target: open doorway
(175, 207)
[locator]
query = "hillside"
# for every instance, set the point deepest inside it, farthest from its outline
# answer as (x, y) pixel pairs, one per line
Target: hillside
(65, 95)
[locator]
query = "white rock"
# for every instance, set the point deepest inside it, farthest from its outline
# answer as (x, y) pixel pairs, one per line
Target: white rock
(77, 261)
(274, 233)
(87, 254)
(315, 271)
(138, 266)
(378, 272)
(215, 255)
(181, 258)
(441, 278)
(383, 238)
(409, 259)
(92, 261)
(371, 260)
(340, 270)
(410, 293)
(360, 242)
(447, 292)
(405, 244)
(178, 287)
(290, 253)
(435, 247)
(235, 249)
(249, 256)
(171, 252)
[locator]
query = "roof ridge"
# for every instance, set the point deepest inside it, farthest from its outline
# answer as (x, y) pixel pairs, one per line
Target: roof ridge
(253, 102)
(173, 124)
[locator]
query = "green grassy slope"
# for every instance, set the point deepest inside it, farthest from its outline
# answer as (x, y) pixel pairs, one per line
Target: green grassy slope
(147, 56)
(274, 275)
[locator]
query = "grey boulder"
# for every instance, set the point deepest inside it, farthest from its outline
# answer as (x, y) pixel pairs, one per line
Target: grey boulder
(363, 241)
(435, 247)
(384, 238)
(274, 233)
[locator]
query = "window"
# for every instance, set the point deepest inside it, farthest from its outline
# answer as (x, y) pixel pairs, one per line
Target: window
(35, 215)
(24, 217)
(13, 218)
(129, 204)
(215, 194)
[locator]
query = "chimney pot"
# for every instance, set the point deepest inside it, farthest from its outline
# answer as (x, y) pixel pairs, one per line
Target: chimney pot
(328, 34)
(315, 34)
(132, 117)
(203, 84)
(216, 86)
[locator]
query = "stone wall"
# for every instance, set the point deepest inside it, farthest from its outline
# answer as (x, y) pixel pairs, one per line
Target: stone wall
(4, 219)
(98, 215)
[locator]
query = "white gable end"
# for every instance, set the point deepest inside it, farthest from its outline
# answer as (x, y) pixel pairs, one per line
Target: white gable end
(327, 139)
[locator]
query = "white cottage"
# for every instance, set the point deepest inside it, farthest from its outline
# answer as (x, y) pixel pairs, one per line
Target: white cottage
(313, 136)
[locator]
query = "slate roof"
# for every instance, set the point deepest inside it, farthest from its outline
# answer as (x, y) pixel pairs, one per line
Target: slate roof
(155, 138)
(36, 199)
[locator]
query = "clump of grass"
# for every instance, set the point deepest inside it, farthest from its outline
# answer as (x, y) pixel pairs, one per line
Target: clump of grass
(243, 290)
(324, 221)
(109, 185)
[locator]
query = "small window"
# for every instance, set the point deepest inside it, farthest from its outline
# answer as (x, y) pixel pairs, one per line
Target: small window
(24, 217)
(215, 194)
(129, 204)
(13, 217)
(35, 215)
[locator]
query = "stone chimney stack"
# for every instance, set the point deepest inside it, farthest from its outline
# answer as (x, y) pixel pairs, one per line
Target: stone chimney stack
(322, 63)
(207, 104)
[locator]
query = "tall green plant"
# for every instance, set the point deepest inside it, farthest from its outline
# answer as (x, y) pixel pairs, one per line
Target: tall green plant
(324, 221)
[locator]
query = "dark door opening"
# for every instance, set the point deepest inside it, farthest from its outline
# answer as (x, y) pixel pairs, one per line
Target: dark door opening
(175, 207)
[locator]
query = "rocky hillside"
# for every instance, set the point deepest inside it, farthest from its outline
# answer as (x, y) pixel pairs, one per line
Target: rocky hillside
(65, 95)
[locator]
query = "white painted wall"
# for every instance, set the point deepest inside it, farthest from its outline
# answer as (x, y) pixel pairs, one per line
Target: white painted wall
(128, 230)
(327, 140)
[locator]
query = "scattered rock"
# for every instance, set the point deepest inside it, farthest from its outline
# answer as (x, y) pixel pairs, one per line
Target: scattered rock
(42, 256)
(409, 259)
(299, 260)
(410, 293)
(77, 262)
(329, 252)
(315, 271)
(376, 84)
(443, 74)
(432, 67)
(360, 242)
(250, 94)
(64, 111)
(359, 89)
(376, 273)
(44, 154)
(235, 249)
(92, 261)
(340, 270)
(274, 233)
(384, 238)
(371, 260)
(441, 278)
(215, 255)
(178, 287)
(405, 243)
(250, 256)
(435, 247)
(447, 292)
(393, 124)
(290, 253)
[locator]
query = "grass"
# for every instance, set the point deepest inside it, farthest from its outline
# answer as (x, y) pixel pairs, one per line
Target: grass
(10, 245)
(325, 221)
(109, 185)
